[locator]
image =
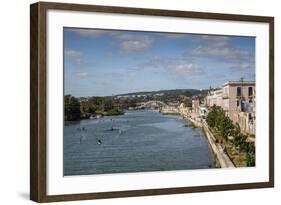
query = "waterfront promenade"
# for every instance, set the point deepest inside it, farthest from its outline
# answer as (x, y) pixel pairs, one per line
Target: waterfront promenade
(222, 158)
(217, 148)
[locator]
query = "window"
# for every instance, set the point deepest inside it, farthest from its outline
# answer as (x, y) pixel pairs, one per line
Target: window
(250, 91)
(238, 91)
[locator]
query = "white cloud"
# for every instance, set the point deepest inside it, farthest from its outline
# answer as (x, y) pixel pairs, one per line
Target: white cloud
(78, 61)
(82, 74)
(72, 53)
(242, 66)
(220, 48)
(134, 43)
(225, 52)
(219, 41)
(76, 58)
(85, 32)
(174, 35)
(174, 66)
(186, 68)
(126, 42)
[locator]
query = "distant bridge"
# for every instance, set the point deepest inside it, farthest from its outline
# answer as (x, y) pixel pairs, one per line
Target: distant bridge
(152, 104)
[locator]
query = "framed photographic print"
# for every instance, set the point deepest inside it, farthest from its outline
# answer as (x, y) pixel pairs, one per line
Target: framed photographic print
(134, 102)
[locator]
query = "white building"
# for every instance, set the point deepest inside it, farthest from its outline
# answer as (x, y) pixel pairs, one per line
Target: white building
(237, 98)
(214, 97)
(202, 110)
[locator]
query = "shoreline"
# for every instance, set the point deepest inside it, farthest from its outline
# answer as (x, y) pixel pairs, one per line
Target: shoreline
(220, 156)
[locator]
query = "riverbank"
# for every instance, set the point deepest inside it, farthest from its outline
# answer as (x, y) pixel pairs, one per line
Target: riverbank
(112, 112)
(170, 113)
(218, 149)
(99, 113)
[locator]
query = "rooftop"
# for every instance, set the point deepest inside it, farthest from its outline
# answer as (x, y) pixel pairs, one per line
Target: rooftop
(235, 83)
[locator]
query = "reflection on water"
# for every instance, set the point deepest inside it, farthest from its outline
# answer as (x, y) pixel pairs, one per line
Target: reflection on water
(135, 142)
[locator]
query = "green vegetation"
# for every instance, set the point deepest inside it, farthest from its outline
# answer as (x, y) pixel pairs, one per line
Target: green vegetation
(170, 113)
(191, 125)
(217, 119)
(104, 106)
(175, 95)
(83, 108)
(241, 151)
(71, 108)
(110, 112)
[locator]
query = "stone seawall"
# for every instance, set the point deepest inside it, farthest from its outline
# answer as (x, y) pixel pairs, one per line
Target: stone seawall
(221, 156)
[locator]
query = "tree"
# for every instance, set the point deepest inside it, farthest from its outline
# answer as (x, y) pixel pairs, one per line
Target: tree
(132, 103)
(225, 127)
(251, 155)
(71, 108)
(216, 118)
(107, 104)
(211, 117)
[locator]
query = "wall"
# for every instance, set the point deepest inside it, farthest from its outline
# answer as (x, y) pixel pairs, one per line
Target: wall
(215, 98)
(14, 103)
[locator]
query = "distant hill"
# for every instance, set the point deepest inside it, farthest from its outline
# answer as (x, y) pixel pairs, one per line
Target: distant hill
(185, 92)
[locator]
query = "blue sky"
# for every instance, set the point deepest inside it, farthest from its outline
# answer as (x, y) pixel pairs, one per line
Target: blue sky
(107, 62)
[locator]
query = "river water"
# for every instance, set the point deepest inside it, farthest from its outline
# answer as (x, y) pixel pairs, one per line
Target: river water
(134, 142)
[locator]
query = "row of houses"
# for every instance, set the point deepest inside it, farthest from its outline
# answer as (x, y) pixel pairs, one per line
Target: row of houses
(237, 99)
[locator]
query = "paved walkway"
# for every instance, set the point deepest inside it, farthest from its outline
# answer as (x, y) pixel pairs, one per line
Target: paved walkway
(217, 148)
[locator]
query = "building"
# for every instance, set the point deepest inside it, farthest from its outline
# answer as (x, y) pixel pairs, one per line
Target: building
(184, 110)
(246, 121)
(237, 98)
(195, 105)
(202, 110)
(214, 97)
